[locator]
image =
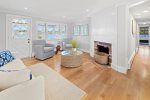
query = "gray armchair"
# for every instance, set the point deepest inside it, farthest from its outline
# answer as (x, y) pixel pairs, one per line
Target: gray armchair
(42, 50)
(66, 44)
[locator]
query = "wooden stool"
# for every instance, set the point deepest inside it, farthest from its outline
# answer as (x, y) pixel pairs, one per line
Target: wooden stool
(57, 49)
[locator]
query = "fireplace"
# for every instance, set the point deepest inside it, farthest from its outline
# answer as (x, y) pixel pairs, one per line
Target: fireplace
(103, 53)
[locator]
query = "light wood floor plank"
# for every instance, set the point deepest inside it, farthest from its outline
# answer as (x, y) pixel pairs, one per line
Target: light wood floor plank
(102, 83)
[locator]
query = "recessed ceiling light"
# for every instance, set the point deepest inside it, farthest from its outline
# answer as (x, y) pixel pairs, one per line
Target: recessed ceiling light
(63, 16)
(138, 14)
(139, 17)
(145, 11)
(25, 8)
(144, 23)
(138, 3)
(87, 10)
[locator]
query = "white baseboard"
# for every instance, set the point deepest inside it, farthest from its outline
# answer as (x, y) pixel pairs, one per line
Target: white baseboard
(84, 50)
(121, 69)
(132, 58)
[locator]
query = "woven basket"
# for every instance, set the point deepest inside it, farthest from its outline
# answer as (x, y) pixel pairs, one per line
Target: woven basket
(101, 58)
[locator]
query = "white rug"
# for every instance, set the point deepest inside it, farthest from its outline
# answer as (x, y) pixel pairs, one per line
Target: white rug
(57, 87)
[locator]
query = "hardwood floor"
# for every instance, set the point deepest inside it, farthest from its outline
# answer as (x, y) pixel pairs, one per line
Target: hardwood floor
(102, 83)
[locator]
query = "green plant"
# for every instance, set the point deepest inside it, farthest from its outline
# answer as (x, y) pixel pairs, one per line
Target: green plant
(74, 43)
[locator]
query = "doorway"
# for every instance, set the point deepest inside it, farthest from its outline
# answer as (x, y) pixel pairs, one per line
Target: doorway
(18, 35)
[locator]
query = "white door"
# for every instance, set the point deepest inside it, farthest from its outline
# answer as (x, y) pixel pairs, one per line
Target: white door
(18, 36)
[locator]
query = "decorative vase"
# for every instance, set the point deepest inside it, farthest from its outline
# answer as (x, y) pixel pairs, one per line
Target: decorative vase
(74, 49)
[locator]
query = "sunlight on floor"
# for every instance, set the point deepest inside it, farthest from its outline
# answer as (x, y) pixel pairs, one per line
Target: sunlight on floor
(144, 50)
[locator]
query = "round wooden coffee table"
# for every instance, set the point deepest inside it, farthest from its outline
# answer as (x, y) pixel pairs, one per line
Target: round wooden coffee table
(71, 58)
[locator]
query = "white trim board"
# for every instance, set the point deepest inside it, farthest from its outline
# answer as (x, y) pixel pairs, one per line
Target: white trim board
(132, 58)
(121, 69)
(84, 50)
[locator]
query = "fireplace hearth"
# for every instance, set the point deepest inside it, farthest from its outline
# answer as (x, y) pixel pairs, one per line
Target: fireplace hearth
(103, 53)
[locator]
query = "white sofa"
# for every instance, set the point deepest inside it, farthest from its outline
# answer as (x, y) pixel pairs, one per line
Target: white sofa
(30, 90)
(49, 86)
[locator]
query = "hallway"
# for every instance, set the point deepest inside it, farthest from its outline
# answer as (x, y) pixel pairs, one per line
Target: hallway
(140, 74)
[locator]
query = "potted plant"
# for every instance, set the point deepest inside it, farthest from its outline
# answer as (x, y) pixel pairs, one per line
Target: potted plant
(74, 44)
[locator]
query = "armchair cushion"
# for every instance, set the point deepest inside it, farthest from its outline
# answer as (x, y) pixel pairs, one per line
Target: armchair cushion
(68, 45)
(49, 45)
(48, 49)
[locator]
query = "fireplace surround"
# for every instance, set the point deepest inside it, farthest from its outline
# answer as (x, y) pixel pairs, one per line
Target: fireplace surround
(103, 53)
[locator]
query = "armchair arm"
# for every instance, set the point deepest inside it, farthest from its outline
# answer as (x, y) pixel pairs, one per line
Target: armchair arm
(49, 45)
(38, 48)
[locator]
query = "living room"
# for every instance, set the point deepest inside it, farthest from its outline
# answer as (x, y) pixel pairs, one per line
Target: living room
(72, 50)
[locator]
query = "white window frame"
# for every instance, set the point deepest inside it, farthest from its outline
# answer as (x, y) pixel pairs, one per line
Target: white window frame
(80, 33)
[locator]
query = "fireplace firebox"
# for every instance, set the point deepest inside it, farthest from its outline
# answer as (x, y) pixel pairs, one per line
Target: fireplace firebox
(103, 53)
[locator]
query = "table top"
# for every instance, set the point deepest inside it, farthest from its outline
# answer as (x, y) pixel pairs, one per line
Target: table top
(71, 53)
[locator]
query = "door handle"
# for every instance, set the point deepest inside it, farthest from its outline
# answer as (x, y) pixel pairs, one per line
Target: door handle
(28, 40)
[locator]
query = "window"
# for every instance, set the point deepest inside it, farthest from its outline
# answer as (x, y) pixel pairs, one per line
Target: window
(41, 31)
(52, 31)
(77, 30)
(80, 30)
(20, 28)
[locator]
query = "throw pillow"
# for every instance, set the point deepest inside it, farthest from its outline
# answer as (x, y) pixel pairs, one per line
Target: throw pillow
(5, 57)
(9, 78)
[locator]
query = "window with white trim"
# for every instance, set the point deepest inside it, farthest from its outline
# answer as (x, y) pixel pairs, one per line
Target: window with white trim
(51, 31)
(80, 30)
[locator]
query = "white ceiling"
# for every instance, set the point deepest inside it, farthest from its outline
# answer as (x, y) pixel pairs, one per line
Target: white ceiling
(142, 12)
(60, 9)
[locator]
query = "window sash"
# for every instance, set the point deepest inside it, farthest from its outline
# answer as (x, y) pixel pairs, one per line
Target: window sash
(52, 31)
(80, 30)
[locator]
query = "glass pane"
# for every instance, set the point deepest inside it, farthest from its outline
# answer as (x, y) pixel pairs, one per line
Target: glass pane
(41, 31)
(56, 32)
(50, 29)
(76, 30)
(56, 29)
(20, 28)
(50, 36)
(84, 30)
(63, 29)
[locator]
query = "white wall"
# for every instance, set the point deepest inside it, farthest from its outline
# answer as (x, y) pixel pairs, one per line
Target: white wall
(83, 41)
(104, 29)
(131, 40)
(2, 31)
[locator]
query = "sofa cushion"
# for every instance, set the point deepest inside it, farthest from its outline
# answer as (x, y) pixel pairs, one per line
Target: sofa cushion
(5, 57)
(16, 64)
(56, 86)
(29, 90)
(10, 78)
(48, 49)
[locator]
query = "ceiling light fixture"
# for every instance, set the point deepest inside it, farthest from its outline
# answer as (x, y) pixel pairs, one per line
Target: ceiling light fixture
(144, 23)
(138, 14)
(87, 10)
(145, 11)
(63, 16)
(138, 3)
(25, 8)
(139, 17)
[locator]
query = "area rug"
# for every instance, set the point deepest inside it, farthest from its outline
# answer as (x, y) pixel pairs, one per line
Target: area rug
(56, 86)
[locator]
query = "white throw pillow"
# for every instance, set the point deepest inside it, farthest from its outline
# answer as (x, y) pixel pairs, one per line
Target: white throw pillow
(9, 78)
